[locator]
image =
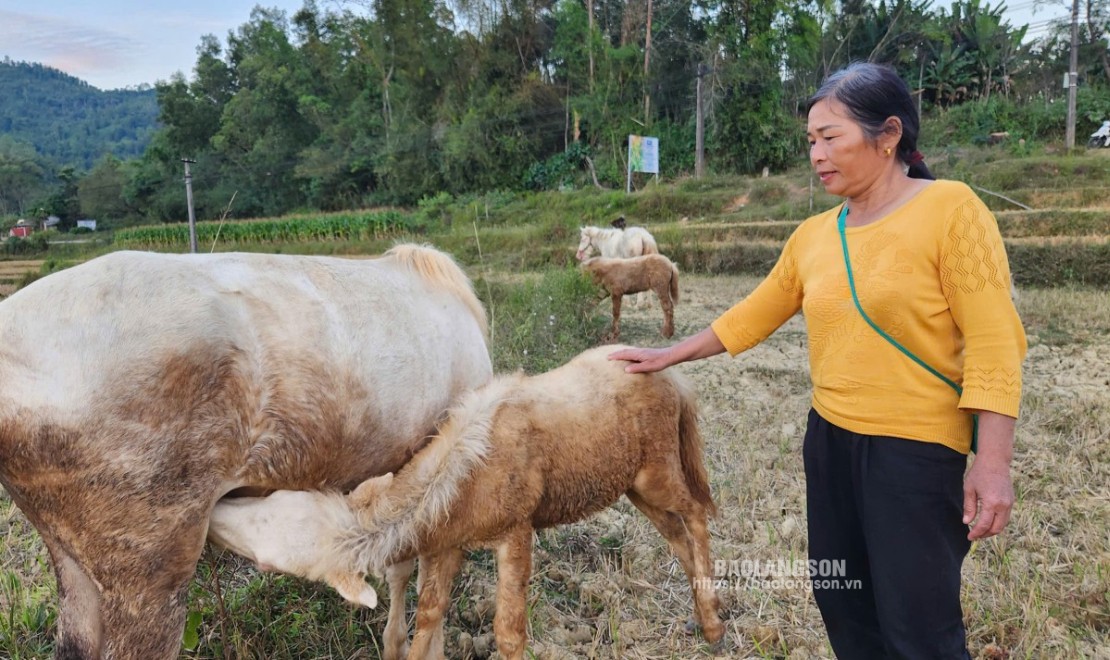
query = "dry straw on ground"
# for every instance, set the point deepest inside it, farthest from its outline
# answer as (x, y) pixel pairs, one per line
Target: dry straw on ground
(609, 588)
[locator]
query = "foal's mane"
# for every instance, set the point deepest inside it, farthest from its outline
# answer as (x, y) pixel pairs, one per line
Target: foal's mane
(420, 496)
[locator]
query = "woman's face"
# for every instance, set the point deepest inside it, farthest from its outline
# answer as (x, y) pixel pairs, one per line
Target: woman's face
(845, 160)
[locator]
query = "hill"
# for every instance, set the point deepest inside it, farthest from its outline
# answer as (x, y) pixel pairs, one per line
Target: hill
(70, 122)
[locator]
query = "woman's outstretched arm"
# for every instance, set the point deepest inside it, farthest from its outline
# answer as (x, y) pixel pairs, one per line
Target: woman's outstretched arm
(695, 347)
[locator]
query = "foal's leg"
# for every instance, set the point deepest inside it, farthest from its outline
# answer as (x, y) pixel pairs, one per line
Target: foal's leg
(664, 293)
(396, 634)
(615, 331)
(683, 522)
(514, 569)
(437, 573)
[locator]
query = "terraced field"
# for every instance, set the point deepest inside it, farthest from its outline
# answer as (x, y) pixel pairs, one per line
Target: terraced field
(11, 272)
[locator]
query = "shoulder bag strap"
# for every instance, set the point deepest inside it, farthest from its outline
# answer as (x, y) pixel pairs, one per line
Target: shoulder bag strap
(840, 222)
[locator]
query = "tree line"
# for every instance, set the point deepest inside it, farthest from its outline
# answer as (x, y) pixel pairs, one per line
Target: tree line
(393, 101)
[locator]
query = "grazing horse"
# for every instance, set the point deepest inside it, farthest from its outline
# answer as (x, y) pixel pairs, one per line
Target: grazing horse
(615, 243)
(652, 272)
(138, 389)
(518, 454)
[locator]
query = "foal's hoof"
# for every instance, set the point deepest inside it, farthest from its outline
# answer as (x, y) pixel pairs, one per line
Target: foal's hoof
(715, 636)
(691, 627)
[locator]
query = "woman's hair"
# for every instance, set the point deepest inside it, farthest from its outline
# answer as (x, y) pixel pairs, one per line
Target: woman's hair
(873, 93)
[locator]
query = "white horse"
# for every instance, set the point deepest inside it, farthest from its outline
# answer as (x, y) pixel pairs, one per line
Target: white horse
(138, 389)
(616, 243)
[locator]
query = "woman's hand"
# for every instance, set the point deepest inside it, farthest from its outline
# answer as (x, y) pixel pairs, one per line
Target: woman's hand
(988, 489)
(643, 359)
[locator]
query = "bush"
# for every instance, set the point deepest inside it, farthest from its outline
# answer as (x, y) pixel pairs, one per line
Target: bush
(34, 244)
(542, 322)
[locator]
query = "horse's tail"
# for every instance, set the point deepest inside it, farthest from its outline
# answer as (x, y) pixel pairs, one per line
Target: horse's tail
(691, 448)
(439, 269)
(674, 282)
(650, 246)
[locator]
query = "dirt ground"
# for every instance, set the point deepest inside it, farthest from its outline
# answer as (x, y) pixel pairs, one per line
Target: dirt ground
(632, 600)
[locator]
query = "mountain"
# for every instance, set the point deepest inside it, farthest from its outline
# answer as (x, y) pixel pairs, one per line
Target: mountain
(70, 122)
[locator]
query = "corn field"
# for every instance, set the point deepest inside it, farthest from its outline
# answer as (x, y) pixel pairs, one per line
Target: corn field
(289, 229)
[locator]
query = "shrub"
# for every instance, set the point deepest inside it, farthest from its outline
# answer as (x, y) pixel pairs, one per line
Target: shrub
(541, 322)
(34, 244)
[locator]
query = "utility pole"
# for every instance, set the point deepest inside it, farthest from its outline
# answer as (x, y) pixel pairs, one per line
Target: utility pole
(647, 59)
(189, 200)
(1073, 76)
(699, 128)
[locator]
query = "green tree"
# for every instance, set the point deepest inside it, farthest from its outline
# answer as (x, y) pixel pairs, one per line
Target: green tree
(100, 192)
(21, 176)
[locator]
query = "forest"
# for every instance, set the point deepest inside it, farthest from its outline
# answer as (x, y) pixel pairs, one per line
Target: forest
(55, 127)
(388, 102)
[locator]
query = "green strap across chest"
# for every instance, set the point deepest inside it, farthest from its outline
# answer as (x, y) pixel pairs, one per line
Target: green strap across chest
(840, 224)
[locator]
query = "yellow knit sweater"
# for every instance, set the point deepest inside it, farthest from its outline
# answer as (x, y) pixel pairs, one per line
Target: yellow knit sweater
(933, 275)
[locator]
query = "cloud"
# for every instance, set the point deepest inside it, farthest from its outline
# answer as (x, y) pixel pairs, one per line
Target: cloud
(83, 51)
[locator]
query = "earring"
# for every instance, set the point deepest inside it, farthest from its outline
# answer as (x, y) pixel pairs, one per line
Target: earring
(888, 151)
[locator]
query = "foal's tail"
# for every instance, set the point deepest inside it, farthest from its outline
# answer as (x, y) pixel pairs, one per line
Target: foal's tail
(691, 448)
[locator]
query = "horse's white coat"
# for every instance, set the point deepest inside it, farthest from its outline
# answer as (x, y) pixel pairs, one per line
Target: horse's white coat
(138, 388)
(616, 243)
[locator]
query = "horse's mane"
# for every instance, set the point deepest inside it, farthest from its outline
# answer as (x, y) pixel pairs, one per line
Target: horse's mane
(439, 269)
(420, 496)
(602, 231)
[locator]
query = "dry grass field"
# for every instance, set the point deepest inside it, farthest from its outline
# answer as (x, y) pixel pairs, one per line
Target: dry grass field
(11, 272)
(609, 588)
(1037, 591)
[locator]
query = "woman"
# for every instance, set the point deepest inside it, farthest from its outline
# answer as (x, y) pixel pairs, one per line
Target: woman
(887, 440)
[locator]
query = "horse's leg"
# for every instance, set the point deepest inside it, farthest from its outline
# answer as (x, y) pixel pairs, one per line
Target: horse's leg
(615, 330)
(670, 526)
(79, 625)
(145, 592)
(514, 569)
(395, 637)
(437, 573)
(683, 522)
(124, 558)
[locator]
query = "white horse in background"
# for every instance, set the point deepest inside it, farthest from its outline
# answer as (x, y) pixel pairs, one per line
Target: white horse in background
(616, 243)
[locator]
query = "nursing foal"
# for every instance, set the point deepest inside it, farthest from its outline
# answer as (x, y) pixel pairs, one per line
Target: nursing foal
(519, 454)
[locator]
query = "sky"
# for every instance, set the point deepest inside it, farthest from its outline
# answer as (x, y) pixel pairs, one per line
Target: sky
(113, 44)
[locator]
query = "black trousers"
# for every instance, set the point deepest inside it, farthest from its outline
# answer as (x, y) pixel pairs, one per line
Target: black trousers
(887, 513)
